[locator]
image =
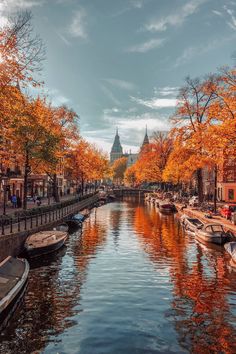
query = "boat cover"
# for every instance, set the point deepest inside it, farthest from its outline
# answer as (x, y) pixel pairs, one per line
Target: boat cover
(11, 271)
(231, 249)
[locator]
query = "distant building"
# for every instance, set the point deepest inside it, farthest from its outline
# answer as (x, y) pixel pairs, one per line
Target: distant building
(132, 158)
(145, 140)
(117, 150)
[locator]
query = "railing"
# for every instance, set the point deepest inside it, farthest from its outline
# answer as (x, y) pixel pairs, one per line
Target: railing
(26, 223)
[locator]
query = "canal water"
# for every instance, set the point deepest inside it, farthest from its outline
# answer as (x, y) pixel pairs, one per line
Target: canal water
(130, 282)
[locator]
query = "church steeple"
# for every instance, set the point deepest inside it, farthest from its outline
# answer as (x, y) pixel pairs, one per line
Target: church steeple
(116, 150)
(146, 139)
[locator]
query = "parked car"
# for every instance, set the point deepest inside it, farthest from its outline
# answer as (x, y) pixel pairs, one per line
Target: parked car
(193, 201)
(227, 210)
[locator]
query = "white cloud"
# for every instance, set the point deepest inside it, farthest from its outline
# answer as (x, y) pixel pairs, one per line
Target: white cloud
(63, 38)
(78, 25)
(57, 98)
(125, 85)
(110, 95)
(217, 13)
(156, 103)
(11, 5)
(177, 18)
(192, 52)
(153, 123)
(232, 16)
(131, 129)
(166, 91)
(138, 4)
(8, 7)
(146, 46)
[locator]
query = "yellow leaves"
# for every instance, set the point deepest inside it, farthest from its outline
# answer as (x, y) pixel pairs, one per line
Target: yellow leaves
(118, 168)
(86, 162)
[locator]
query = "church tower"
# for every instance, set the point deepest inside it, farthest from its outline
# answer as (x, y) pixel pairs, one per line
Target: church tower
(116, 150)
(145, 140)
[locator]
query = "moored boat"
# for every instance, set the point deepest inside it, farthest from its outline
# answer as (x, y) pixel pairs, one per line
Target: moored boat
(44, 242)
(191, 224)
(76, 220)
(213, 233)
(167, 208)
(231, 249)
(13, 277)
(62, 227)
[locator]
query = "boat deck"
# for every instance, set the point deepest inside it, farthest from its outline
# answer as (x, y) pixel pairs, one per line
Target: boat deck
(11, 270)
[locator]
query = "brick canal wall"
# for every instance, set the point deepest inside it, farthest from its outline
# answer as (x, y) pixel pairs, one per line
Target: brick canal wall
(12, 244)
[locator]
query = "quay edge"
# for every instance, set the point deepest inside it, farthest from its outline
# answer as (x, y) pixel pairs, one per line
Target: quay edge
(12, 245)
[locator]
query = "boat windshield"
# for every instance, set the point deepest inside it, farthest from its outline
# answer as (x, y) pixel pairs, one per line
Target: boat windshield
(217, 228)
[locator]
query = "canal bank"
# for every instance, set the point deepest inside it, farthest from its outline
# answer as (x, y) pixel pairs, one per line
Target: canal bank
(131, 281)
(11, 243)
(215, 219)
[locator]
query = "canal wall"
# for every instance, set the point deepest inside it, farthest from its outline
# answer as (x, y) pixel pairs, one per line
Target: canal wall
(12, 244)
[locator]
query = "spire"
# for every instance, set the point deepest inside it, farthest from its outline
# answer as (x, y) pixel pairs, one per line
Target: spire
(146, 139)
(116, 147)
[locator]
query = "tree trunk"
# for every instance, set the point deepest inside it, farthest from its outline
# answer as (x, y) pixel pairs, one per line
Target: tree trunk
(82, 185)
(215, 188)
(26, 172)
(200, 185)
(55, 189)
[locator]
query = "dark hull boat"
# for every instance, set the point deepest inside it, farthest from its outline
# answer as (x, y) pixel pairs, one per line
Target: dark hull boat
(44, 242)
(13, 278)
(77, 219)
(167, 208)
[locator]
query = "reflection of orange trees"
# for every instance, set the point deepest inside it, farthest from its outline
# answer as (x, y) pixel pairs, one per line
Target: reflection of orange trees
(47, 304)
(200, 291)
(93, 236)
(200, 301)
(160, 234)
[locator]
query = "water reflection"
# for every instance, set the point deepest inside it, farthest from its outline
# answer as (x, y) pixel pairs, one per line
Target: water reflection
(130, 282)
(50, 304)
(201, 284)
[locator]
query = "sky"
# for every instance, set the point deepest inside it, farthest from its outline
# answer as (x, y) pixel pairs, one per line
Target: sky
(120, 63)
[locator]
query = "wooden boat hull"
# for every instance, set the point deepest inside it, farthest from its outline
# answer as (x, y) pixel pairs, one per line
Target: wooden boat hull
(10, 301)
(36, 250)
(32, 253)
(218, 240)
(167, 211)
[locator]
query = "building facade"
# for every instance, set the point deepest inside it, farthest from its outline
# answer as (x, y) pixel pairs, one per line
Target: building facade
(117, 150)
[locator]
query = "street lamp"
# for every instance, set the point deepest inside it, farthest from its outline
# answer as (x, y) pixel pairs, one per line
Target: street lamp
(4, 184)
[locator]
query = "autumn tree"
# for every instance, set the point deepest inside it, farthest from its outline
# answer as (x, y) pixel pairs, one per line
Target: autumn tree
(191, 120)
(118, 169)
(86, 163)
(130, 175)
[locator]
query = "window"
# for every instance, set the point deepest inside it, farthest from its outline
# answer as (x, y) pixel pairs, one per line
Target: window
(231, 194)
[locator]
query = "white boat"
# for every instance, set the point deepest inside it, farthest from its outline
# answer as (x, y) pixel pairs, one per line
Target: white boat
(44, 242)
(231, 249)
(13, 277)
(191, 224)
(213, 233)
(62, 227)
